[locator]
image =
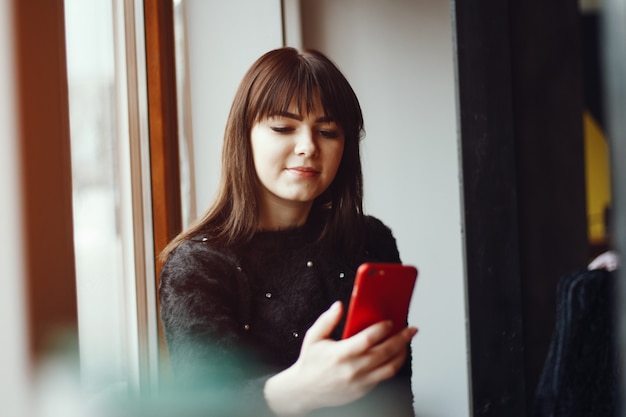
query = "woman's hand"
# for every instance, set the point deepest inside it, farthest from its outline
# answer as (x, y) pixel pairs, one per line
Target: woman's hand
(332, 373)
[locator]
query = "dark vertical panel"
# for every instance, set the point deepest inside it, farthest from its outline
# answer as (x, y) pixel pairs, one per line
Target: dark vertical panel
(548, 101)
(46, 164)
(489, 188)
(591, 50)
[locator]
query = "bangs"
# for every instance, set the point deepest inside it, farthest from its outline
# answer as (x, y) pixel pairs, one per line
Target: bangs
(281, 93)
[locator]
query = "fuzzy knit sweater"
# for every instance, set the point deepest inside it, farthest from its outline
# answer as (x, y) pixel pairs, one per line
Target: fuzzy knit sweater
(233, 317)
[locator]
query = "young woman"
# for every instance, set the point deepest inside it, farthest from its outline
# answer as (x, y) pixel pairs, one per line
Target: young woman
(253, 295)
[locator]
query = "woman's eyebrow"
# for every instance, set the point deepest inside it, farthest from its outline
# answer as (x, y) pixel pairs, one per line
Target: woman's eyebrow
(323, 119)
(288, 115)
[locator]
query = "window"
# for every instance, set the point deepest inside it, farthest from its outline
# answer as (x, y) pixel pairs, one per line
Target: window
(111, 194)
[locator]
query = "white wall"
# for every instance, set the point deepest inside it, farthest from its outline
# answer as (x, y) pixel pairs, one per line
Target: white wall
(398, 55)
(224, 38)
(14, 368)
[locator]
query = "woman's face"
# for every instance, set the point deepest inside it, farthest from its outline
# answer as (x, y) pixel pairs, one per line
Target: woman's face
(296, 156)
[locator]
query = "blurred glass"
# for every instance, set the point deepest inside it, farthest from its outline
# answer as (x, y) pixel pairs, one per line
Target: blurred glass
(185, 137)
(97, 174)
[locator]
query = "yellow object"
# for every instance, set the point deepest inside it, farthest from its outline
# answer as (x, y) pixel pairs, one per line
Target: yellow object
(598, 178)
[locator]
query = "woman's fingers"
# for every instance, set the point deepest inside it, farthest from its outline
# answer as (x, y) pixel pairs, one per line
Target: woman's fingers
(371, 351)
(374, 335)
(383, 359)
(324, 325)
(385, 370)
(391, 349)
(365, 339)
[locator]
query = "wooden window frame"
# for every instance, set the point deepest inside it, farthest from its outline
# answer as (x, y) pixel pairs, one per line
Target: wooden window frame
(43, 128)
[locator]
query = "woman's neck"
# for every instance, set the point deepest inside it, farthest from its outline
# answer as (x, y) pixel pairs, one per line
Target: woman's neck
(278, 216)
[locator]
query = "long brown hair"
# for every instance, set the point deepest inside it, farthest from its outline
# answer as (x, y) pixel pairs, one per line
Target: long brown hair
(271, 84)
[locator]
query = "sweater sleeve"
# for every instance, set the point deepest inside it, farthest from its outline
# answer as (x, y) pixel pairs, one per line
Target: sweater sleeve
(205, 334)
(381, 244)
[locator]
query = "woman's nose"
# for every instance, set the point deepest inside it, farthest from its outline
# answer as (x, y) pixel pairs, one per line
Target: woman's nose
(305, 144)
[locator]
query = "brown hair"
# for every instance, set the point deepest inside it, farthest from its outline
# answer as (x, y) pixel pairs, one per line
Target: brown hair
(269, 87)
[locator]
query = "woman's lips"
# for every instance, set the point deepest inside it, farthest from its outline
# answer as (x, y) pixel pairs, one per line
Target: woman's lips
(304, 172)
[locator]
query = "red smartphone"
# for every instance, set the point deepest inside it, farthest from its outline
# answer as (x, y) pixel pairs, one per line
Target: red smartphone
(382, 291)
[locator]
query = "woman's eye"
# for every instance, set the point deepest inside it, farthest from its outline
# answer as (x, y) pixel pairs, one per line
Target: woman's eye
(329, 134)
(281, 129)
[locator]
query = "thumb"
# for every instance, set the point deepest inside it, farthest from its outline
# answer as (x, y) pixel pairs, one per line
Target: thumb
(324, 325)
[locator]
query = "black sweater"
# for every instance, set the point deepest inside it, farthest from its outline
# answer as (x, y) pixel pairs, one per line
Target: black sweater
(233, 317)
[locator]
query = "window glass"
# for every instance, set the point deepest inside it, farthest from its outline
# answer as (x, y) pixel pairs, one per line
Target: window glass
(187, 184)
(98, 198)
